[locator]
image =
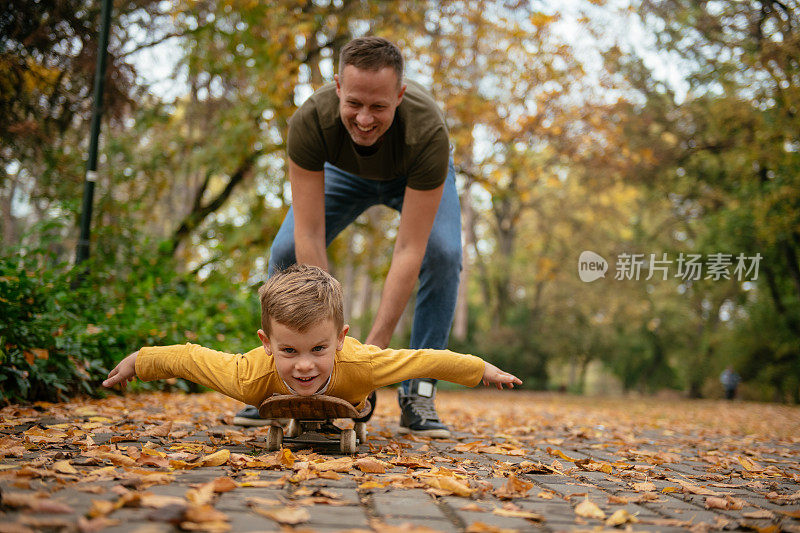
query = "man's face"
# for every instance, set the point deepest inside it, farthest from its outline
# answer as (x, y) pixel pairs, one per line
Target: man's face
(304, 360)
(367, 102)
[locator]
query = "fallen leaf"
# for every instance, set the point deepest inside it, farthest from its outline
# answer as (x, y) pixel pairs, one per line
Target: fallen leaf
(286, 456)
(37, 503)
(94, 525)
(369, 465)
(621, 517)
(473, 507)
(513, 488)
(728, 503)
(340, 464)
(159, 431)
(449, 485)
(216, 459)
(480, 527)
(285, 515)
(588, 509)
(513, 513)
(749, 464)
(156, 501)
(201, 496)
(64, 467)
(645, 486)
(562, 455)
(202, 514)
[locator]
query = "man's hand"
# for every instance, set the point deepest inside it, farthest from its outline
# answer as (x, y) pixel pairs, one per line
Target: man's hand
(493, 375)
(124, 372)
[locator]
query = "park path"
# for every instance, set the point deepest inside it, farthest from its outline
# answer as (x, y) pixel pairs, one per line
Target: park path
(519, 461)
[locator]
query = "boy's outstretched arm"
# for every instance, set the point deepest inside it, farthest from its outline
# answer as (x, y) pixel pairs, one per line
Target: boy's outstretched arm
(124, 372)
(493, 375)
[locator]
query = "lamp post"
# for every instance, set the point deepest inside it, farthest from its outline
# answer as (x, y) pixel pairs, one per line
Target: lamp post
(82, 252)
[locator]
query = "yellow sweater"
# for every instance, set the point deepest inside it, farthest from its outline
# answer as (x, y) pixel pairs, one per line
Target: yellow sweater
(358, 369)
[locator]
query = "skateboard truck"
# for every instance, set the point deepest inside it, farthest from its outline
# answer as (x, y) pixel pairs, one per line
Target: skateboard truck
(311, 421)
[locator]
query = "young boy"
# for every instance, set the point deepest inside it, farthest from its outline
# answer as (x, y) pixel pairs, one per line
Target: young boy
(304, 351)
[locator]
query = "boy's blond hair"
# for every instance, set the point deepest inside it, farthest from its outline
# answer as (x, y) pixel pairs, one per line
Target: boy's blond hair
(300, 297)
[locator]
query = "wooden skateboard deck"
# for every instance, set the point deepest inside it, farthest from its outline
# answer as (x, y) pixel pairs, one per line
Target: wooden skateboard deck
(312, 421)
(316, 407)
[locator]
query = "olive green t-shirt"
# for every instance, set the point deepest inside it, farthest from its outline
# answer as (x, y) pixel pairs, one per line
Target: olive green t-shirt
(416, 145)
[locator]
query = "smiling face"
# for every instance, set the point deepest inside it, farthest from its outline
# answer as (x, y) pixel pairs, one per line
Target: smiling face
(367, 102)
(304, 360)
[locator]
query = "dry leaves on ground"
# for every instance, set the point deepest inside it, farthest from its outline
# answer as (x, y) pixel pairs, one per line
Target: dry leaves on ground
(121, 450)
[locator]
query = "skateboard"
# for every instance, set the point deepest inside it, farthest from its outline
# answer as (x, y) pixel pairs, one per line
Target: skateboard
(311, 421)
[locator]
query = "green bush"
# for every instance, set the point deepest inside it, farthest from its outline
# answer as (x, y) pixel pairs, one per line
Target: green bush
(48, 349)
(63, 328)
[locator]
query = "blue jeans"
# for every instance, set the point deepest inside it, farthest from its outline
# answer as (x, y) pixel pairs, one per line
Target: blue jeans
(346, 197)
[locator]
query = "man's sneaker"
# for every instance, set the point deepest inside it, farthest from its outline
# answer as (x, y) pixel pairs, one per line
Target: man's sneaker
(249, 417)
(418, 413)
(372, 398)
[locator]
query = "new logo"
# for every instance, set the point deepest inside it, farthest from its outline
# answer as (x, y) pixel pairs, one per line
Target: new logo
(591, 266)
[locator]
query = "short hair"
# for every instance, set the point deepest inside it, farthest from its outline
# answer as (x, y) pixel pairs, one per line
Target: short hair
(372, 53)
(299, 297)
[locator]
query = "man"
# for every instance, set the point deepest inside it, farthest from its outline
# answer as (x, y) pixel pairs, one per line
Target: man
(367, 139)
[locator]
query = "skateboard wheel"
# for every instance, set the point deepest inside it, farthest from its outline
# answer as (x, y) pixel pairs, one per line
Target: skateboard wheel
(293, 429)
(347, 441)
(361, 432)
(274, 438)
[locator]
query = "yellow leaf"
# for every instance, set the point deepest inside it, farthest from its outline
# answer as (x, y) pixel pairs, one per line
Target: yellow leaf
(201, 495)
(371, 485)
(620, 517)
(101, 508)
(562, 455)
(589, 509)
(287, 457)
(177, 464)
(116, 459)
(154, 453)
(216, 459)
(749, 465)
(449, 484)
(64, 467)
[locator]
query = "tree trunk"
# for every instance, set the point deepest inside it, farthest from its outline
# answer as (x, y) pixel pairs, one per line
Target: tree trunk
(9, 233)
(461, 319)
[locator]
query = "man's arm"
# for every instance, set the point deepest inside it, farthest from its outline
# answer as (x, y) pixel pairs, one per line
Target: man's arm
(416, 221)
(308, 204)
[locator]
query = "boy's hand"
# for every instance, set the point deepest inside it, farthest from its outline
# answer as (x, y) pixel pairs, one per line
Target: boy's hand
(124, 372)
(493, 375)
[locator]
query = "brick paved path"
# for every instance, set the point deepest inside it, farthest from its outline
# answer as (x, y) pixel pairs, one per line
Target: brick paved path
(521, 461)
